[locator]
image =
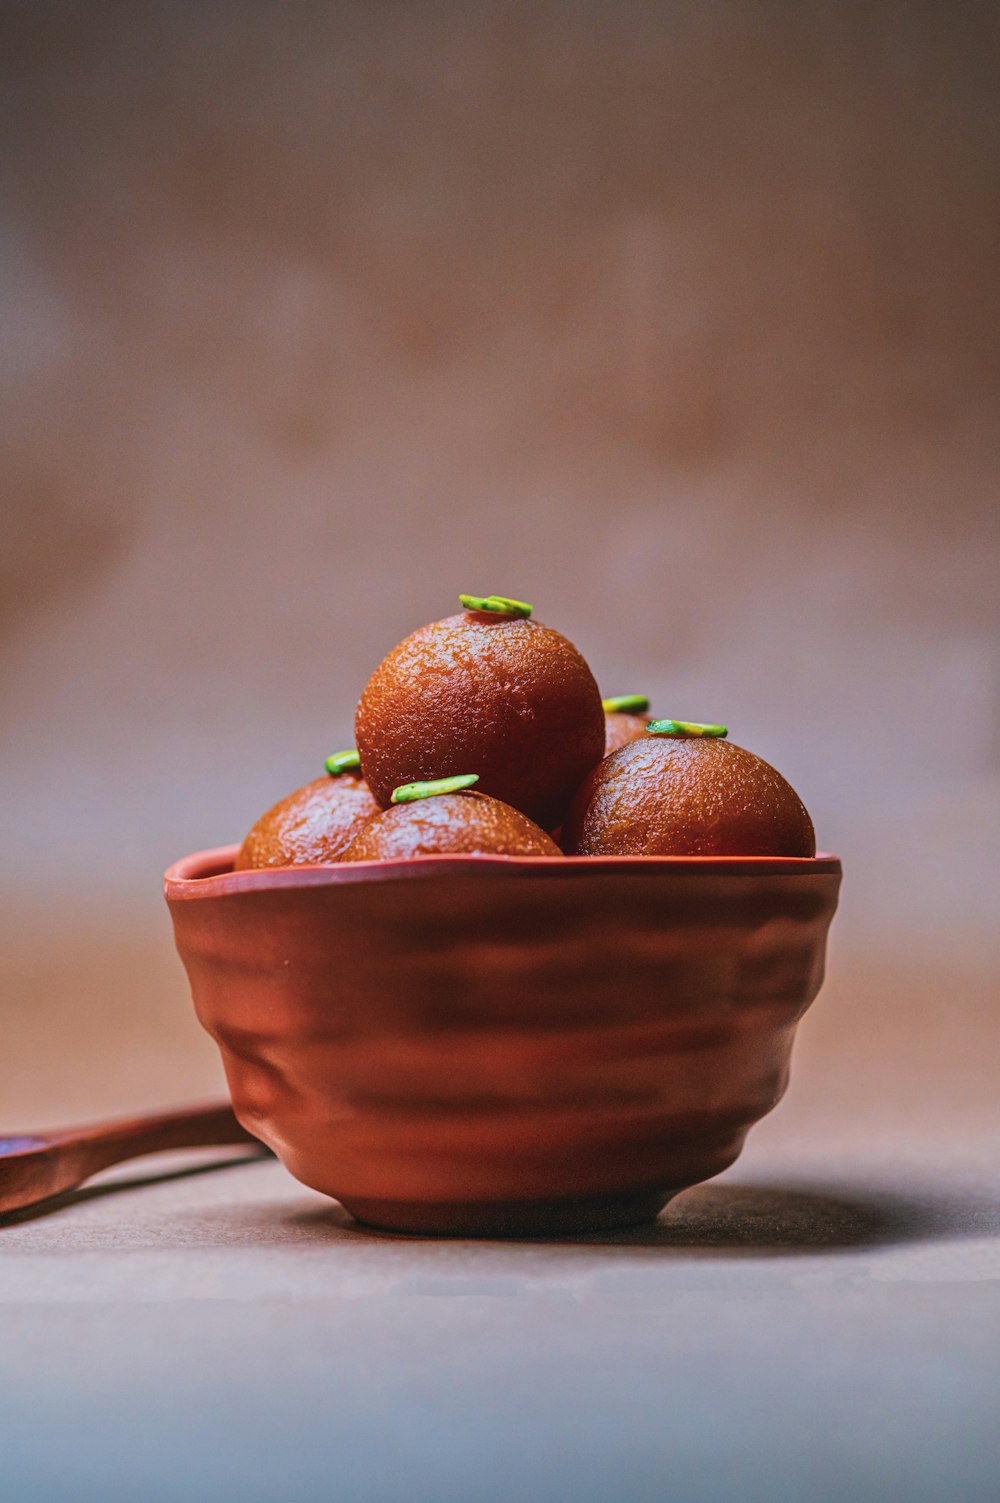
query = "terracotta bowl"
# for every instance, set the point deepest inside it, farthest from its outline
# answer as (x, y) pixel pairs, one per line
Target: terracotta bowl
(504, 1045)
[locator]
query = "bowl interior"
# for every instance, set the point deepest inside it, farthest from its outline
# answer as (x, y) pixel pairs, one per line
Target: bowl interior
(211, 871)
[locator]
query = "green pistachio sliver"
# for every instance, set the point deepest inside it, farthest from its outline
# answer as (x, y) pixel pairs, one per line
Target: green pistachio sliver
(345, 761)
(408, 793)
(684, 728)
(497, 605)
(626, 704)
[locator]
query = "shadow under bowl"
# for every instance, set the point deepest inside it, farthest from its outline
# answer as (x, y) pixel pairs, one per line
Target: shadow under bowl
(504, 1046)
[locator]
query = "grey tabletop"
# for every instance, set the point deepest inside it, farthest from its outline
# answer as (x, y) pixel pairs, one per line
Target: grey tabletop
(822, 1322)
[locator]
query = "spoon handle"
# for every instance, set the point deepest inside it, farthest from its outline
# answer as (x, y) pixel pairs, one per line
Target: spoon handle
(35, 1166)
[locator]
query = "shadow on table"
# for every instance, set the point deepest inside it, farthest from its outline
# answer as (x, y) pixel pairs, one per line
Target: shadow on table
(717, 1219)
(753, 1219)
(766, 1218)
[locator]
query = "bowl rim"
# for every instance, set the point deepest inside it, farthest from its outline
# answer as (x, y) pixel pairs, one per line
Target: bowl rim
(209, 873)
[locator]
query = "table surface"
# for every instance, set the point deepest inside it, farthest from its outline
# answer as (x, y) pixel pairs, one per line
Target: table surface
(821, 1322)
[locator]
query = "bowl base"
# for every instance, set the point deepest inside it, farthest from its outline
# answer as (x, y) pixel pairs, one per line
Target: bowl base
(559, 1216)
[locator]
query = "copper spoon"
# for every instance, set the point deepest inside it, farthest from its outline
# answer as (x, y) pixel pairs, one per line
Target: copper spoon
(36, 1166)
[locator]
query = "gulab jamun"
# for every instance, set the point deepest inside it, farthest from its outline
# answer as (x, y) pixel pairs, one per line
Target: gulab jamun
(625, 719)
(489, 691)
(314, 824)
(466, 822)
(687, 794)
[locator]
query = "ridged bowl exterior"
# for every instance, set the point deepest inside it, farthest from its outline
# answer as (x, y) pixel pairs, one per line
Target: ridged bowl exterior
(501, 1045)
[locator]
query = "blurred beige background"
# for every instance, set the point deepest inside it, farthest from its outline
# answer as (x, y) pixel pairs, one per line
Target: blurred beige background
(679, 320)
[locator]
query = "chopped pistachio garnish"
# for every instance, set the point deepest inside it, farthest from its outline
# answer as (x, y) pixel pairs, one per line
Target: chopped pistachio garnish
(626, 704)
(684, 728)
(345, 761)
(498, 605)
(408, 793)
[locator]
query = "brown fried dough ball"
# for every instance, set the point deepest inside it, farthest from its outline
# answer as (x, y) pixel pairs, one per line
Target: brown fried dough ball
(315, 823)
(620, 729)
(507, 698)
(470, 823)
(691, 796)
(625, 719)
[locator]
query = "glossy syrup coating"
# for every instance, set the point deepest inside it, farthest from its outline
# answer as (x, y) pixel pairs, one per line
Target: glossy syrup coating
(620, 729)
(466, 823)
(509, 699)
(313, 824)
(689, 796)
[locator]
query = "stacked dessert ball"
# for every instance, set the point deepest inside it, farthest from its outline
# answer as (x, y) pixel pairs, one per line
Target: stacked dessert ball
(486, 734)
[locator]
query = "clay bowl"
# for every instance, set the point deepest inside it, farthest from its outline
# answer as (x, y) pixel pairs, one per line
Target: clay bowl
(504, 1045)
